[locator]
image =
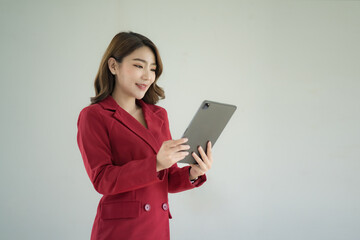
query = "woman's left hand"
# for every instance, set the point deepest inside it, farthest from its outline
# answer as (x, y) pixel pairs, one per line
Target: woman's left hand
(203, 164)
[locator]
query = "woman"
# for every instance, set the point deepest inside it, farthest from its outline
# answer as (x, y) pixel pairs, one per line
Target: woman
(125, 142)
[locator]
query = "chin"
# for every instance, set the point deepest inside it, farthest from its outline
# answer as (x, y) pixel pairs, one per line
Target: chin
(139, 97)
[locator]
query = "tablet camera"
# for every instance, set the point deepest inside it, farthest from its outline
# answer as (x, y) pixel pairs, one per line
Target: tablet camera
(206, 106)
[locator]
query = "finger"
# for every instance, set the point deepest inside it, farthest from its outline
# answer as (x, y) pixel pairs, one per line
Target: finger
(203, 154)
(205, 158)
(179, 156)
(174, 143)
(209, 151)
(181, 147)
(199, 161)
(209, 154)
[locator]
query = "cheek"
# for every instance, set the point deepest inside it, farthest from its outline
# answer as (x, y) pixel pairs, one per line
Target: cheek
(131, 71)
(153, 76)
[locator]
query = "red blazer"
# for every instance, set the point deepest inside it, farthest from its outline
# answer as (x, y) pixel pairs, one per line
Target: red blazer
(119, 154)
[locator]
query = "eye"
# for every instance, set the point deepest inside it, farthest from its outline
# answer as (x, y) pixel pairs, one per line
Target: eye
(154, 70)
(138, 66)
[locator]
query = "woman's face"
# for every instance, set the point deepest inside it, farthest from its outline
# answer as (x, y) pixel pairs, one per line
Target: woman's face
(135, 74)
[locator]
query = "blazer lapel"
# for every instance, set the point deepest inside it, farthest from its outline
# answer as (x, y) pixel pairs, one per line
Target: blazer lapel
(153, 121)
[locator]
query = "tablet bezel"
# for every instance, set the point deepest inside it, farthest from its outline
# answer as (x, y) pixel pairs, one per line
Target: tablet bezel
(207, 125)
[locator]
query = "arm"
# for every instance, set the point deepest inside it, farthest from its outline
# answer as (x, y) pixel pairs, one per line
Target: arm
(94, 145)
(179, 178)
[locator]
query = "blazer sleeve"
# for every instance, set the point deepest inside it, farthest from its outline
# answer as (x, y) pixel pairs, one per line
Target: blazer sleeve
(178, 178)
(94, 145)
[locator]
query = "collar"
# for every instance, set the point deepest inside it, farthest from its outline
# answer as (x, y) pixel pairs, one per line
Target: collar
(153, 121)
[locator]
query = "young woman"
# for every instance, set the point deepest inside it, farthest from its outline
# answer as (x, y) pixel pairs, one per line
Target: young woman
(126, 145)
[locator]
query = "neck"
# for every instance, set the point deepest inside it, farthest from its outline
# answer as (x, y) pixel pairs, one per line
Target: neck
(126, 103)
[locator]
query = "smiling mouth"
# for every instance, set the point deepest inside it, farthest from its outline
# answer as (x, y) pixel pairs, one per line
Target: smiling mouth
(141, 86)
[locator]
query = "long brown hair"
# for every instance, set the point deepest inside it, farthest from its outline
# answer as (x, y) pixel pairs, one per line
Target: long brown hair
(122, 45)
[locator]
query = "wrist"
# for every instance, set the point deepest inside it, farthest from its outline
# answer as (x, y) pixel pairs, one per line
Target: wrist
(191, 176)
(194, 180)
(158, 167)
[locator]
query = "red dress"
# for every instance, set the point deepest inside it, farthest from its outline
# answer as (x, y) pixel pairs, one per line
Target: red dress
(119, 155)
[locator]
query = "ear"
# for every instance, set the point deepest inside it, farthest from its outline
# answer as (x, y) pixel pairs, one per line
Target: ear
(112, 65)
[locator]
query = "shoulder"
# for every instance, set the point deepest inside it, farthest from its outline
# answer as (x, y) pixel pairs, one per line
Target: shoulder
(91, 112)
(160, 111)
(92, 109)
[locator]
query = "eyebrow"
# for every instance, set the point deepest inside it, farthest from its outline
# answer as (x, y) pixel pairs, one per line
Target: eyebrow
(142, 60)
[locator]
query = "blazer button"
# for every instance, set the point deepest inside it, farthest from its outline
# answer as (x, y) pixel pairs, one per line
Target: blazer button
(147, 207)
(165, 207)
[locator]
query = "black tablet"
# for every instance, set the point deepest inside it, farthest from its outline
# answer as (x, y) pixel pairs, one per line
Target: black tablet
(207, 125)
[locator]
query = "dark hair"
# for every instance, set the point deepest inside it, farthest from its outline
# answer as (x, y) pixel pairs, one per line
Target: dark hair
(122, 45)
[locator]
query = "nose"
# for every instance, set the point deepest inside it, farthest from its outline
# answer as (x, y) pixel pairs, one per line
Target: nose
(146, 75)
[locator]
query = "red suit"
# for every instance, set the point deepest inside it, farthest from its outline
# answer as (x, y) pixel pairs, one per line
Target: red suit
(119, 154)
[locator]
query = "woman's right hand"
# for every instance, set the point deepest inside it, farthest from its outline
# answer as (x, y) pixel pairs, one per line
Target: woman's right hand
(171, 152)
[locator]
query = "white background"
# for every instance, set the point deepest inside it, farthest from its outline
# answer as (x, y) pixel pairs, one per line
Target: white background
(287, 165)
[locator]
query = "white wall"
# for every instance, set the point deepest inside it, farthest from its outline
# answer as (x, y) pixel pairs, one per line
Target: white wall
(286, 167)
